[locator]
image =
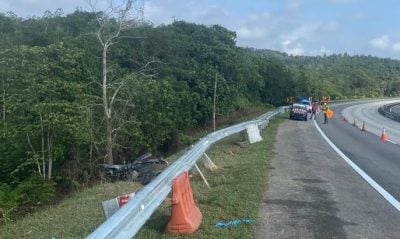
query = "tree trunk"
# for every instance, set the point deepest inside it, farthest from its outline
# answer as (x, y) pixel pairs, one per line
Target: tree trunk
(109, 142)
(4, 104)
(107, 109)
(4, 109)
(34, 154)
(50, 149)
(43, 155)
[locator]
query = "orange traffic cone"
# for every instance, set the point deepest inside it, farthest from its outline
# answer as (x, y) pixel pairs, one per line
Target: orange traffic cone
(383, 135)
(363, 127)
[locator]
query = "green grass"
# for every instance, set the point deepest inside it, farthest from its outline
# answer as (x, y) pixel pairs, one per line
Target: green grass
(236, 191)
(74, 217)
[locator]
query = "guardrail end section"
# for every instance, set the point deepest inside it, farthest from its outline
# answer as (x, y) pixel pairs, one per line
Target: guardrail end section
(185, 215)
(253, 133)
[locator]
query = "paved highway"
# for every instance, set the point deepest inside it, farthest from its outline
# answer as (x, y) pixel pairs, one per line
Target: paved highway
(375, 122)
(380, 160)
(313, 193)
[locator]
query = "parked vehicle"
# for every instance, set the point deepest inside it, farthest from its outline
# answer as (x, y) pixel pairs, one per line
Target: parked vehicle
(307, 103)
(304, 100)
(298, 111)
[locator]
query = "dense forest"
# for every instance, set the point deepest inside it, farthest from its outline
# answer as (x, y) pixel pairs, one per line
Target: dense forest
(57, 124)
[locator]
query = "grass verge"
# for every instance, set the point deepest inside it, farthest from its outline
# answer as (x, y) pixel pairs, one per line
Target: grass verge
(236, 191)
(74, 217)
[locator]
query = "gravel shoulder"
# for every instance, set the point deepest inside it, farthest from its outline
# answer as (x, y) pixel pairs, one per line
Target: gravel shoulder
(313, 193)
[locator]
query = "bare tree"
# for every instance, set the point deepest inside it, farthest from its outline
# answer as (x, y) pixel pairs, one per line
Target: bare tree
(112, 22)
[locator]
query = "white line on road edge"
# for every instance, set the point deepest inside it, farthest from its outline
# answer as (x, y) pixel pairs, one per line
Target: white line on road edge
(391, 141)
(365, 176)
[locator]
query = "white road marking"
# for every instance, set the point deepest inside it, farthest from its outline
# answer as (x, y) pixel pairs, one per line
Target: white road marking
(365, 176)
(391, 141)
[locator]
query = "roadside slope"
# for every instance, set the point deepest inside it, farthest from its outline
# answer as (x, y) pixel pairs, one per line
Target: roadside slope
(313, 193)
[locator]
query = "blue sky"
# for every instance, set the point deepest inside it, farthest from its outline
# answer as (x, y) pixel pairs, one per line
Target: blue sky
(298, 27)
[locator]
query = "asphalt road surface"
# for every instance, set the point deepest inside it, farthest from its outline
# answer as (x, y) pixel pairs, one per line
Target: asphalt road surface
(313, 193)
(375, 122)
(378, 159)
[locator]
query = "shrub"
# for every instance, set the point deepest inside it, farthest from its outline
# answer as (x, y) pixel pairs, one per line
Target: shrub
(35, 191)
(8, 203)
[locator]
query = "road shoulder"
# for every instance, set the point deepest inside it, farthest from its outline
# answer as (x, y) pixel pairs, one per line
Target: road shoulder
(313, 193)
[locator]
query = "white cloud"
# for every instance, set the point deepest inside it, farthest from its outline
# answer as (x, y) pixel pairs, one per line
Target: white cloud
(251, 33)
(385, 43)
(323, 51)
(292, 48)
(283, 31)
(157, 14)
(382, 42)
(303, 32)
(296, 51)
(286, 43)
(396, 46)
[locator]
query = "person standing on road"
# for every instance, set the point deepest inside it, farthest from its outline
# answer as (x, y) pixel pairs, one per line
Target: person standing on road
(325, 110)
(314, 107)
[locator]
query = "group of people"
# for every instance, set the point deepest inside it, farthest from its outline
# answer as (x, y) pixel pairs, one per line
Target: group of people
(314, 110)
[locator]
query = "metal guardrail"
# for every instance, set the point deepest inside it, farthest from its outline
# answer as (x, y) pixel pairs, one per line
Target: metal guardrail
(127, 222)
(385, 111)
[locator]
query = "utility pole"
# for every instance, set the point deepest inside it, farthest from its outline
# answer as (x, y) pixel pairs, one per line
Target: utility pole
(215, 96)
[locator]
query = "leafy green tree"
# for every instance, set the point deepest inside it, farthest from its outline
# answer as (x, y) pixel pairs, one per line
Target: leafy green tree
(42, 104)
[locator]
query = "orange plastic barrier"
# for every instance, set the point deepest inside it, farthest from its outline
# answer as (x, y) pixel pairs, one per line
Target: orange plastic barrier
(185, 215)
(329, 113)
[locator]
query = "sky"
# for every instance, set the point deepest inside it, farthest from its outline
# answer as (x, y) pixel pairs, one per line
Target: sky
(297, 27)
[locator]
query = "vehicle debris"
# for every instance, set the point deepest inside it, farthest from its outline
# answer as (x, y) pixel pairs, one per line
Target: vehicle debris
(143, 169)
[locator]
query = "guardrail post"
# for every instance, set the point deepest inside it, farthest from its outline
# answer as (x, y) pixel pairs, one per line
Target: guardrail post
(253, 133)
(202, 175)
(208, 163)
